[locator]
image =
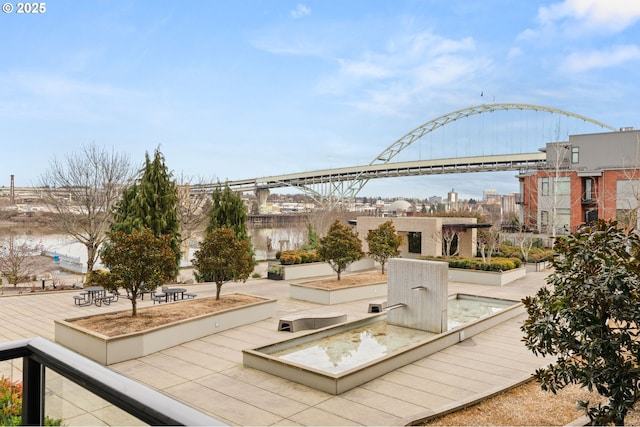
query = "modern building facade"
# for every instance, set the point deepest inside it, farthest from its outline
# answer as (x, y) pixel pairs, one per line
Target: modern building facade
(423, 236)
(589, 177)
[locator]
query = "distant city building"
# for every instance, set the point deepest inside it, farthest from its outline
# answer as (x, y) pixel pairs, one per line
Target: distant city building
(589, 177)
(434, 200)
(508, 203)
(491, 196)
(452, 200)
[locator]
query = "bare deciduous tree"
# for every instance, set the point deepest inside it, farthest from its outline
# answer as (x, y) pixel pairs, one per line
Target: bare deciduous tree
(192, 209)
(488, 242)
(82, 189)
(17, 263)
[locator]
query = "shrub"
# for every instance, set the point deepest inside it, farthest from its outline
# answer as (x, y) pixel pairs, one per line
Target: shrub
(11, 404)
(496, 264)
(275, 269)
(297, 257)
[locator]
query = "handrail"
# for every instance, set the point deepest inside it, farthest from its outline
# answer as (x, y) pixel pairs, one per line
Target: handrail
(134, 398)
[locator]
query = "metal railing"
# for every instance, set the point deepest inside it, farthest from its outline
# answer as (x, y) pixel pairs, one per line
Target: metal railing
(142, 402)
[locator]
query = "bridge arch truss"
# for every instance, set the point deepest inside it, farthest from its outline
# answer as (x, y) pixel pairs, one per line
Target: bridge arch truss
(343, 184)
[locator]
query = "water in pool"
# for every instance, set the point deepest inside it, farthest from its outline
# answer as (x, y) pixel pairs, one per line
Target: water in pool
(338, 353)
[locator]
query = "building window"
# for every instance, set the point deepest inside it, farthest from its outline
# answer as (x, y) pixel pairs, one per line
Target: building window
(544, 221)
(563, 186)
(544, 186)
(414, 241)
(575, 155)
(563, 220)
(588, 189)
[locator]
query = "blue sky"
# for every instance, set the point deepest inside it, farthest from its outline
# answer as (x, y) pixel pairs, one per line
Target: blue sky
(234, 89)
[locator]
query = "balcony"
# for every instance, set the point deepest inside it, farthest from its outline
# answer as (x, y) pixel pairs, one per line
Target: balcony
(132, 399)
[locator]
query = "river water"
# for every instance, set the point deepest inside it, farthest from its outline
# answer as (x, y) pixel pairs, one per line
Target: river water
(266, 241)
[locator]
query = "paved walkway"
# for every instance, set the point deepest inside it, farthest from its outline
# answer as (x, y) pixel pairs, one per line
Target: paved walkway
(208, 373)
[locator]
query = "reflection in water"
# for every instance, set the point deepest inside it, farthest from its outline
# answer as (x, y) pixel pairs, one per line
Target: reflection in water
(461, 311)
(338, 353)
(341, 352)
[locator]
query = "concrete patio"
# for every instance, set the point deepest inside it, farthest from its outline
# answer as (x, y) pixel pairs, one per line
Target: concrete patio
(208, 373)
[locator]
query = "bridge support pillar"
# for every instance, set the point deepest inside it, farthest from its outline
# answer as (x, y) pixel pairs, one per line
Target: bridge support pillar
(261, 195)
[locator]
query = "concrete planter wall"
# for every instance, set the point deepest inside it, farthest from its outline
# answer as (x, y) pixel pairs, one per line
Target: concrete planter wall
(108, 350)
(537, 266)
(486, 277)
(319, 269)
(337, 296)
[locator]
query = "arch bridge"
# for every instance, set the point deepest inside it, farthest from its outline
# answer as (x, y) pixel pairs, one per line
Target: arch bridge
(341, 184)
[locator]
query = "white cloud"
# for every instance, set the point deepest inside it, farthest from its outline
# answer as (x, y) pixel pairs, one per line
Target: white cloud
(410, 67)
(580, 62)
(300, 11)
(609, 15)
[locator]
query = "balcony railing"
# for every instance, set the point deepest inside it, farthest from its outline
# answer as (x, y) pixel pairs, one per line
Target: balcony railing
(140, 401)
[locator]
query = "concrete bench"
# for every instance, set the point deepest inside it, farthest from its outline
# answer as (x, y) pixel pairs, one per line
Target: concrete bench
(310, 321)
(377, 306)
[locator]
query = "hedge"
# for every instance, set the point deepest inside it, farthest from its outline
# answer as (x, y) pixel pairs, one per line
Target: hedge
(496, 264)
(297, 257)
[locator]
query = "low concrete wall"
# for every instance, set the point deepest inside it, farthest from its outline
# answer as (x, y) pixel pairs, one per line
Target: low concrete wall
(108, 350)
(336, 296)
(538, 266)
(319, 269)
(486, 277)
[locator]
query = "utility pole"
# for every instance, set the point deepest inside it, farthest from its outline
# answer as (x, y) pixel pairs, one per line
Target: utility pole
(12, 192)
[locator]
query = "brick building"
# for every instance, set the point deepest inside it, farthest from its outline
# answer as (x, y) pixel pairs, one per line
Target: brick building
(592, 176)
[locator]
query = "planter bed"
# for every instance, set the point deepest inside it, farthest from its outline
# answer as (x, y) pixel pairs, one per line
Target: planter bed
(319, 269)
(486, 277)
(108, 350)
(307, 292)
(538, 266)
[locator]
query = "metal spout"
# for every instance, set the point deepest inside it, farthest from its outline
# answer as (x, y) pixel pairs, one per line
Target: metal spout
(394, 306)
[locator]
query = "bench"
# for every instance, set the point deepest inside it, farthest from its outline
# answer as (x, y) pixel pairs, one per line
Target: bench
(158, 298)
(310, 321)
(106, 300)
(189, 295)
(81, 300)
(377, 306)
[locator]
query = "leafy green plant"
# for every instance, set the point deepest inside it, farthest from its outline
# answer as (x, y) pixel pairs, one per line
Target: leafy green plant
(383, 243)
(586, 319)
(275, 269)
(340, 247)
(496, 264)
(11, 404)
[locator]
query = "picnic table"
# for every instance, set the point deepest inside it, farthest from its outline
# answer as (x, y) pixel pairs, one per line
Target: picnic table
(173, 294)
(94, 295)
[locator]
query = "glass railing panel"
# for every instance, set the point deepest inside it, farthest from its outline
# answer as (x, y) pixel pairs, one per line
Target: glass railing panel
(74, 405)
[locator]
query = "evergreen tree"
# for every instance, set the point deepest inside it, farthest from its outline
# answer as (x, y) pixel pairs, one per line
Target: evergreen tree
(383, 243)
(340, 247)
(151, 202)
(313, 240)
(228, 211)
(223, 257)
